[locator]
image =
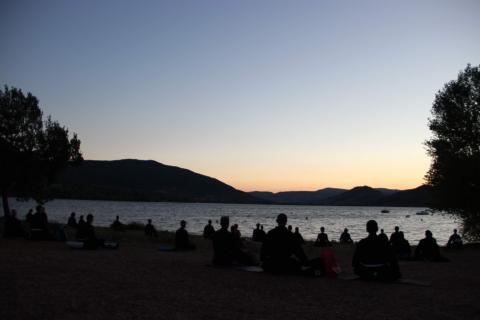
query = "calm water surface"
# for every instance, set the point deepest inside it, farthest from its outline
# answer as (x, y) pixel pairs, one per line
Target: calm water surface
(309, 219)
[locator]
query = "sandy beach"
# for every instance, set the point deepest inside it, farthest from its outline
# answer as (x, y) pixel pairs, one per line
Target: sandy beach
(46, 280)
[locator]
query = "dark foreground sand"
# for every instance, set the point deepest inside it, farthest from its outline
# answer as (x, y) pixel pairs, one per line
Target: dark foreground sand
(45, 280)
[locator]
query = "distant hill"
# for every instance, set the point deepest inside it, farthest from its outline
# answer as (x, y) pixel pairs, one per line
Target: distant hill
(358, 196)
(418, 197)
(298, 197)
(143, 180)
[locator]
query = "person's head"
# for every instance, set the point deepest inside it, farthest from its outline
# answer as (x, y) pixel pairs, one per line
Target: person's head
(261, 227)
(289, 228)
(232, 228)
(258, 225)
(397, 228)
(428, 234)
(209, 221)
(117, 218)
(345, 230)
(282, 220)
(81, 217)
(372, 227)
(455, 231)
(224, 222)
(322, 229)
(183, 223)
(401, 235)
(149, 221)
(381, 231)
(72, 214)
(89, 218)
(296, 230)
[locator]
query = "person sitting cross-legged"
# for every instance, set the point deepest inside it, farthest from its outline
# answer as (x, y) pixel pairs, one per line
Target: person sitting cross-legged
(373, 258)
(209, 230)
(150, 230)
(280, 252)
(182, 240)
(226, 251)
(322, 239)
(428, 249)
(455, 241)
(345, 237)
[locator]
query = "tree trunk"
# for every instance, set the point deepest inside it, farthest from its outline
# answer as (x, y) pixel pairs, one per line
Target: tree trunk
(6, 207)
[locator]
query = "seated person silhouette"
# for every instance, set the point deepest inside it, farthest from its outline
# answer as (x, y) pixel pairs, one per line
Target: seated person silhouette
(182, 241)
(345, 237)
(39, 225)
(72, 221)
(290, 229)
(383, 236)
(226, 251)
(150, 230)
(12, 226)
(322, 239)
(261, 234)
(91, 241)
(29, 217)
(373, 258)
(428, 249)
(402, 247)
(280, 253)
(117, 225)
(298, 237)
(455, 241)
(209, 230)
(395, 236)
(256, 233)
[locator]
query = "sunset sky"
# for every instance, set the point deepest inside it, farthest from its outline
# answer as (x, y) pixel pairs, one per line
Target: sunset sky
(263, 95)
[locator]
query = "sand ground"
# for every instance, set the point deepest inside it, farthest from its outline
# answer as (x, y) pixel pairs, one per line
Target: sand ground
(46, 280)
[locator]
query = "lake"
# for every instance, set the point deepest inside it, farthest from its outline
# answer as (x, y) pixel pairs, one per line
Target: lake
(166, 216)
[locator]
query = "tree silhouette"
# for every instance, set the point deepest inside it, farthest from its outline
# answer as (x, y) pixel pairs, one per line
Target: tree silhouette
(32, 151)
(455, 149)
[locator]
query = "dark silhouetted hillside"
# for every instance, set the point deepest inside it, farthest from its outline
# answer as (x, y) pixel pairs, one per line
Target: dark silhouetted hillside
(142, 180)
(298, 197)
(358, 196)
(418, 197)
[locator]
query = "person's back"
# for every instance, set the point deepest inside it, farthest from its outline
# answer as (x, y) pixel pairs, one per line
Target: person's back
(402, 248)
(455, 241)
(90, 239)
(223, 244)
(150, 230)
(182, 241)
(373, 258)
(428, 249)
(117, 225)
(209, 230)
(383, 236)
(72, 221)
(261, 234)
(322, 239)
(345, 237)
(279, 247)
(298, 237)
(395, 237)
(256, 233)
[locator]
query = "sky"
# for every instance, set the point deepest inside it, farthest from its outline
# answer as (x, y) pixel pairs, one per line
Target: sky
(262, 95)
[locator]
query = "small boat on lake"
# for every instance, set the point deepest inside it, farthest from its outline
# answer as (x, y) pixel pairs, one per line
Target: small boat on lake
(423, 213)
(385, 211)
